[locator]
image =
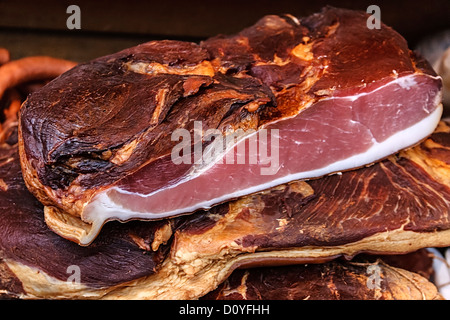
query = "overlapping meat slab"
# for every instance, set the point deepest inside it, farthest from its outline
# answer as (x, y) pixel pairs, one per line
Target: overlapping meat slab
(321, 94)
(36, 263)
(399, 205)
(359, 279)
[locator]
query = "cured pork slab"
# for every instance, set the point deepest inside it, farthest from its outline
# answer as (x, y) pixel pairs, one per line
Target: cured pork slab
(37, 263)
(399, 205)
(289, 98)
(358, 279)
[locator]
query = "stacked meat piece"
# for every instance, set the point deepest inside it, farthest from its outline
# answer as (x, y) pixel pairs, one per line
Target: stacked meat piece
(353, 118)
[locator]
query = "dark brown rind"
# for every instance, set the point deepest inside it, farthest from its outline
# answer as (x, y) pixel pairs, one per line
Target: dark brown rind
(358, 279)
(420, 262)
(144, 108)
(10, 285)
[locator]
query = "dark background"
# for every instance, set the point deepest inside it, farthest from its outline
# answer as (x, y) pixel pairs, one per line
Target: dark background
(39, 27)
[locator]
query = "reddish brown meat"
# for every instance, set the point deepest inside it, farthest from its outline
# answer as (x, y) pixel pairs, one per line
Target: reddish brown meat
(337, 280)
(330, 94)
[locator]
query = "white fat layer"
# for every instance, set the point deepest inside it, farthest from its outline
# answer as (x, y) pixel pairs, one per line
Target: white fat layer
(102, 208)
(407, 82)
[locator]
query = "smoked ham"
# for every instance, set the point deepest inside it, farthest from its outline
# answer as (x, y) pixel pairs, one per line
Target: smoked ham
(300, 98)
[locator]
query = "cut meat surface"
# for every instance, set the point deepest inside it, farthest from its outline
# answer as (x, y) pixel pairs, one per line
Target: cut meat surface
(321, 145)
(304, 98)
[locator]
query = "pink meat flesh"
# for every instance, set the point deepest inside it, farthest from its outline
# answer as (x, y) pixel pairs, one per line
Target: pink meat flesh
(310, 145)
